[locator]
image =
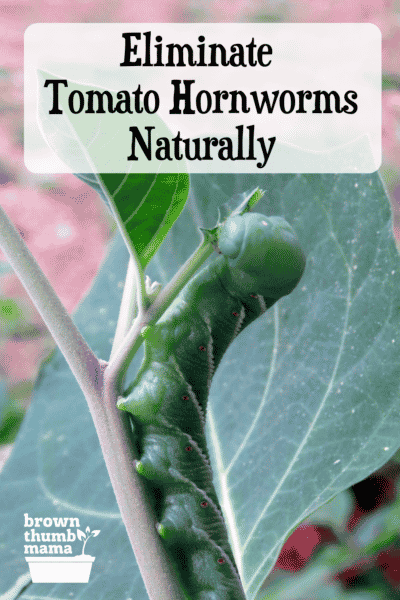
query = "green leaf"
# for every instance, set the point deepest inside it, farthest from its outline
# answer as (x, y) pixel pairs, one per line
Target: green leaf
(12, 409)
(145, 205)
(249, 202)
(314, 582)
(317, 582)
(379, 529)
(13, 321)
(334, 513)
(304, 404)
(10, 421)
(390, 81)
(9, 311)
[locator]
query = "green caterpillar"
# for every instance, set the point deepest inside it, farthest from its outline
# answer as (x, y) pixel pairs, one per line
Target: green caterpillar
(261, 261)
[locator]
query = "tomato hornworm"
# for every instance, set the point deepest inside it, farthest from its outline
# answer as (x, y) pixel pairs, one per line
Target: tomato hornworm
(260, 261)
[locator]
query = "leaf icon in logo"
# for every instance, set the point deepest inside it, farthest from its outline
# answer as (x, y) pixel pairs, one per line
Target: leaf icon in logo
(81, 535)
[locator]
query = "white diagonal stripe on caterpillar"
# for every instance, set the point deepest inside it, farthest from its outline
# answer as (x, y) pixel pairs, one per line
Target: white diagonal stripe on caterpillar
(261, 301)
(191, 392)
(190, 440)
(210, 503)
(210, 352)
(224, 555)
(239, 323)
(206, 461)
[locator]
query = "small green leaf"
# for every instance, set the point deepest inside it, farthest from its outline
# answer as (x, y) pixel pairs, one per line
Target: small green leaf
(390, 81)
(11, 414)
(10, 312)
(145, 205)
(249, 202)
(314, 583)
(379, 529)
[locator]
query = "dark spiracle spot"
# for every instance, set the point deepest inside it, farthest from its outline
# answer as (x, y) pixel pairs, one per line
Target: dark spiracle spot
(204, 504)
(202, 348)
(235, 314)
(188, 448)
(185, 398)
(221, 561)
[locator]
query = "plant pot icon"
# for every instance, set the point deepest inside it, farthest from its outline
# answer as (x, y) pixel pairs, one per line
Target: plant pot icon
(60, 569)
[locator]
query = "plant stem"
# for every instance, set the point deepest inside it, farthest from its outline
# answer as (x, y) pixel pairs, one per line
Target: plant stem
(127, 310)
(112, 426)
(122, 357)
(155, 566)
(77, 352)
(178, 282)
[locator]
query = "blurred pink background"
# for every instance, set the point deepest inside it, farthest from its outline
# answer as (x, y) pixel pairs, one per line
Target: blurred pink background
(63, 221)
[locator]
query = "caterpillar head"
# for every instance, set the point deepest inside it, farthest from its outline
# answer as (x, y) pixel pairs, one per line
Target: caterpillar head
(263, 253)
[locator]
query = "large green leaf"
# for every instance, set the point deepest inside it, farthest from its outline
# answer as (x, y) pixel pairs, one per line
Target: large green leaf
(316, 382)
(305, 402)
